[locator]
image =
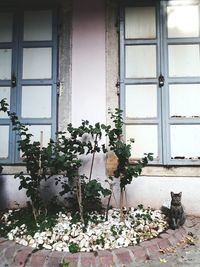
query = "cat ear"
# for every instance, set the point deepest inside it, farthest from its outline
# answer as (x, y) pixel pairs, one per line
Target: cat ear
(180, 194)
(172, 194)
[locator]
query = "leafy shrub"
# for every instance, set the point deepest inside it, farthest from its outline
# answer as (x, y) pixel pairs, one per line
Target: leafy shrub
(125, 170)
(61, 157)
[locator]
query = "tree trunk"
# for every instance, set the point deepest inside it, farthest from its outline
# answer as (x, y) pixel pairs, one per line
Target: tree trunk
(121, 205)
(79, 198)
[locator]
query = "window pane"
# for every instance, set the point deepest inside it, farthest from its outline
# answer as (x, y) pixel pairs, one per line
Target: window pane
(184, 60)
(39, 96)
(185, 141)
(36, 131)
(140, 22)
(5, 64)
(4, 93)
(37, 63)
(141, 61)
(4, 141)
(183, 21)
(137, 101)
(184, 100)
(146, 139)
(6, 21)
(38, 25)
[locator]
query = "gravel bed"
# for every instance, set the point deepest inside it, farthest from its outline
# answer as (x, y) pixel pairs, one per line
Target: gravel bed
(139, 224)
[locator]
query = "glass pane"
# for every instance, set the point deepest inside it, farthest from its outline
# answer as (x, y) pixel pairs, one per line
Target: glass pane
(137, 101)
(4, 93)
(183, 21)
(4, 141)
(184, 60)
(140, 22)
(5, 64)
(146, 139)
(38, 25)
(141, 61)
(36, 131)
(37, 63)
(185, 141)
(39, 96)
(184, 100)
(6, 21)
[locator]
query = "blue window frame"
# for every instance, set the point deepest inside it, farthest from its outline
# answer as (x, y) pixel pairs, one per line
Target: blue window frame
(160, 79)
(28, 74)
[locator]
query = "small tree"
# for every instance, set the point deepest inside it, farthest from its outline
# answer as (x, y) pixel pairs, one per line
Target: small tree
(125, 171)
(61, 157)
(86, 137)
(35, 158)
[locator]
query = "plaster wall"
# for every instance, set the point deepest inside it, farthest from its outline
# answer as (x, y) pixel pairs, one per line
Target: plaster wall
(154, 191)
(88, 61)
(89, 70)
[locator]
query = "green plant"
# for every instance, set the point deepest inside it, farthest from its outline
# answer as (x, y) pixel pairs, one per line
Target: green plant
(31, 155)
(91, 135)
(63, 263)
(82, 140)
(60, 158)
(41, 162)
(92, 194)
(100, 241)
(125, 170)
(73, 247)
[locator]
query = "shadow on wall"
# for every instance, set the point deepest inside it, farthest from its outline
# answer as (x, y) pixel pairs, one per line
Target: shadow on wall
(3, 199)
(50, 190)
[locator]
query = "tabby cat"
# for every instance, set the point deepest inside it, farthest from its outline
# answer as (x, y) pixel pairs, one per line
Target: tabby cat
(176, 213)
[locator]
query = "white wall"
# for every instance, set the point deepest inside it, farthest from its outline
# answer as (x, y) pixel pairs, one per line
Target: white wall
(89, 70)
(88, 61)
(154, 191)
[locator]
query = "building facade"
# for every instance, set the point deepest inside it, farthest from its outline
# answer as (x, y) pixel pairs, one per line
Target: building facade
(64, 61)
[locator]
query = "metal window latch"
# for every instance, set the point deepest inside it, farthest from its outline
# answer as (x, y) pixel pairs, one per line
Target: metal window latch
(13, 81)
(161, 80)
(60, 87)
(117, 85)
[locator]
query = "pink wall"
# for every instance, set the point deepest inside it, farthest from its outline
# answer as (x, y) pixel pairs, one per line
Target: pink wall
(88, 61)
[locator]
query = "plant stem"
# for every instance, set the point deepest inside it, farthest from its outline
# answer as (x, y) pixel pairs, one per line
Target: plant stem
(92, 163)
(79, 198)
(108, 204)
(41, 145)
(121, 205)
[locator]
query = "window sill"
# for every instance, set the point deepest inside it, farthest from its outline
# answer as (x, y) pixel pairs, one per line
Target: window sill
(173, 171)
(12, 169)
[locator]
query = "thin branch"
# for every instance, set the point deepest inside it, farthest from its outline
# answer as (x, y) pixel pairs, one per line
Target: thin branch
(79, 198)
(92, 163)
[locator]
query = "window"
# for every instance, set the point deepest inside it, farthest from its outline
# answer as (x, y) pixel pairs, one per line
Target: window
(28, 73)
(160, 79)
